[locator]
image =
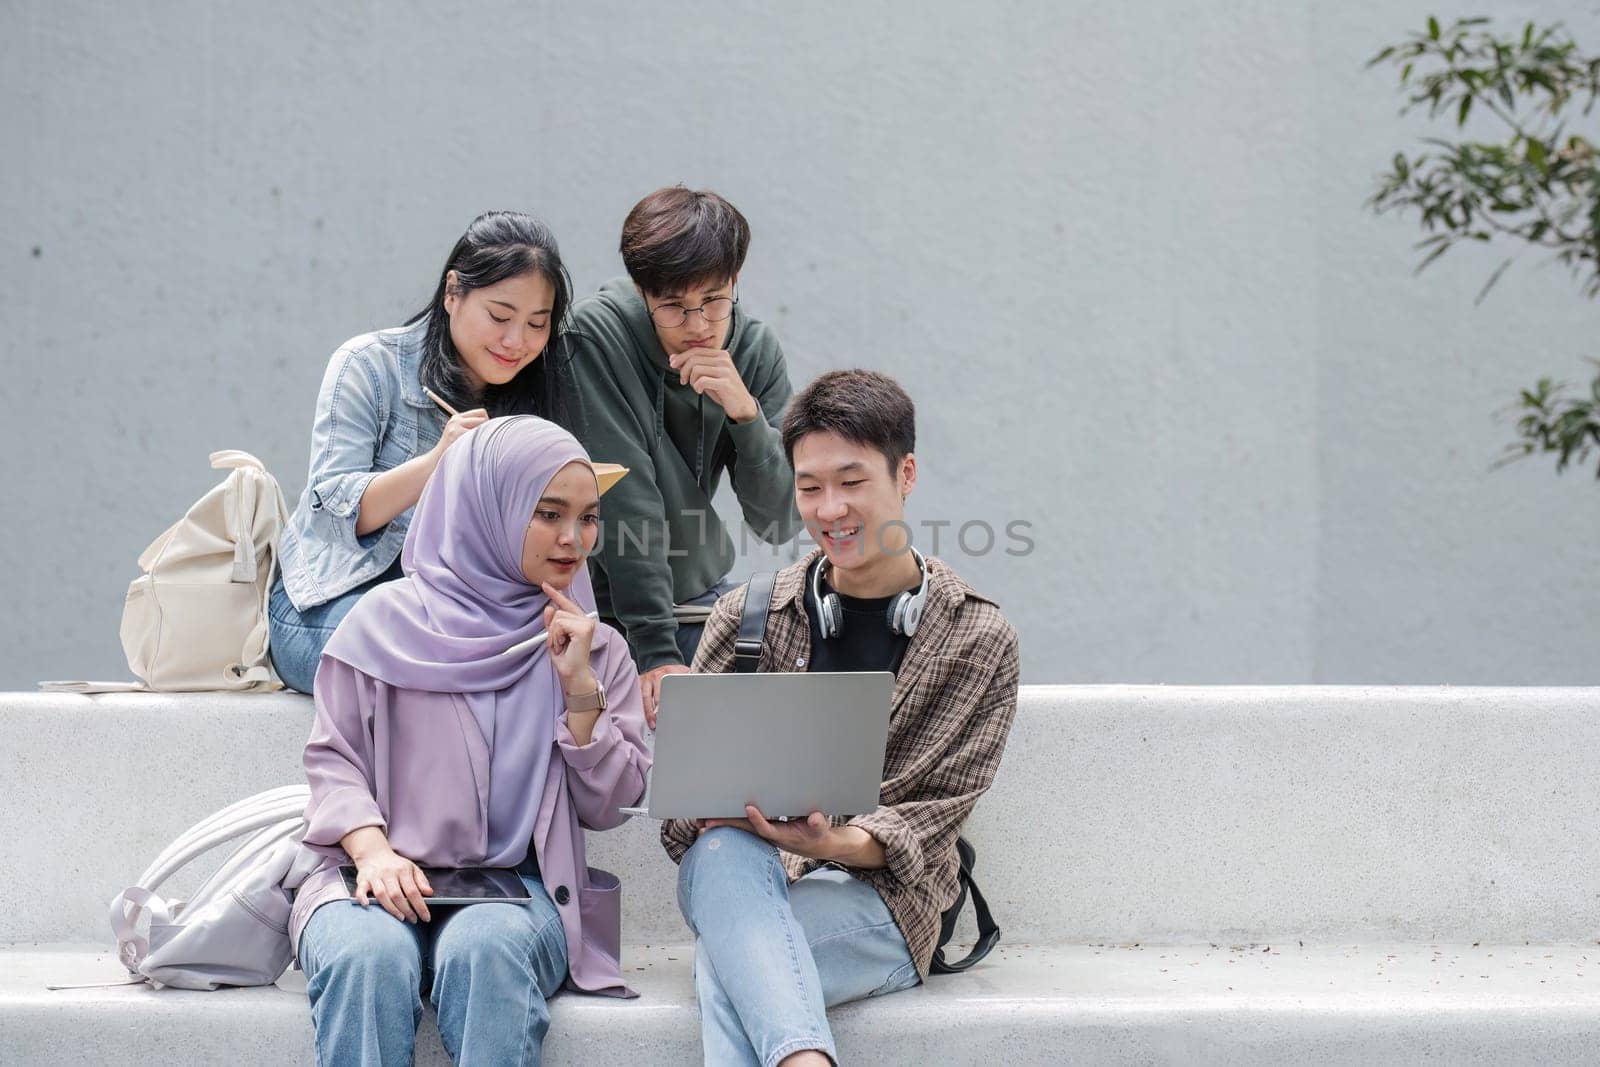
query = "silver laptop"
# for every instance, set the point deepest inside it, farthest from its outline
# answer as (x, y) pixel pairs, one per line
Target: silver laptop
(790, 744)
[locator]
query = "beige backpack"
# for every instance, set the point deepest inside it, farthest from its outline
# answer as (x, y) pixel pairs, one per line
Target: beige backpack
(196, 619)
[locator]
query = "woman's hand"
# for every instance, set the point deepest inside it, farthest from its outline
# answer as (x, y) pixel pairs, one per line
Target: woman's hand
(458, 425)
(392, 880)
(571, 638)
(395, 490)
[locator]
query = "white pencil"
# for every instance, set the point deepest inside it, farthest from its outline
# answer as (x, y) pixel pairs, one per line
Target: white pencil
(538, 639)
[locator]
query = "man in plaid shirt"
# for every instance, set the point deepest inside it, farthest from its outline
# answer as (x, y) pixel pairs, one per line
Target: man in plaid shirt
(791, 918)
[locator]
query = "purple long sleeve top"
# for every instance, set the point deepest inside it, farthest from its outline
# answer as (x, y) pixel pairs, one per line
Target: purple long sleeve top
(418, 766)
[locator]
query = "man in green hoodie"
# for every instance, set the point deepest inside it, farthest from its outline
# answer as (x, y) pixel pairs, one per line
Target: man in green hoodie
(680, 386)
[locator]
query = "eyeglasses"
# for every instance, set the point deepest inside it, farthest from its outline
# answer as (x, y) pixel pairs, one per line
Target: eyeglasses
(671, 316)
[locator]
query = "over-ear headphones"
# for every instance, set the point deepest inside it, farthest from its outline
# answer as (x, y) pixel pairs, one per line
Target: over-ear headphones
(905, 610)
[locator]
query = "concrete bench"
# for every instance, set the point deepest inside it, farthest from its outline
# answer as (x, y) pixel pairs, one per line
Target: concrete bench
(1228, 874)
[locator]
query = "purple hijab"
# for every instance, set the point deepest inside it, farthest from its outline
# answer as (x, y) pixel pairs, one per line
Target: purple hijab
(464, 600)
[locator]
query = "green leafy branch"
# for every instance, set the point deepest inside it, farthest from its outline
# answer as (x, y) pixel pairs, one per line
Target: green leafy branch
(1536, 185)
(1555, 421)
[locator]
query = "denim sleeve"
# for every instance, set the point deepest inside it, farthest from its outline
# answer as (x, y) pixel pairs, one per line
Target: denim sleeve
(351, 413)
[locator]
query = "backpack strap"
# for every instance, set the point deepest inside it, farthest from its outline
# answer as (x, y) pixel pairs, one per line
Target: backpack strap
(753, 623)
(255, 507)
(244, 816)
(988, 932)
(233, 459)
(260, 671)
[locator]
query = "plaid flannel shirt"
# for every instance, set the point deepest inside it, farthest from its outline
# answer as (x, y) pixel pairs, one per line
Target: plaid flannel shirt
(954, 699)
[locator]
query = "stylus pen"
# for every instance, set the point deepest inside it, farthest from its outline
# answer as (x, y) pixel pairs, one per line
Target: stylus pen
(437, 399)
(538, 639)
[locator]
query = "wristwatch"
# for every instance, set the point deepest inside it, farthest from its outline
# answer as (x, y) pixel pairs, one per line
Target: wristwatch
(595, 701)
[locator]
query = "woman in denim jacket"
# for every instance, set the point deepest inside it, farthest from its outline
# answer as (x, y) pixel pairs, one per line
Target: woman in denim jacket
(377, 436)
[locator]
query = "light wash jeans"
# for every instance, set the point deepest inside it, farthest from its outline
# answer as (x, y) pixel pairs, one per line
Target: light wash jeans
(295, 639)
(771, 957)
(492, 967)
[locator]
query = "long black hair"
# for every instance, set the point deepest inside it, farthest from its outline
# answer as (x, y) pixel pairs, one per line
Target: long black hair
(500, 245)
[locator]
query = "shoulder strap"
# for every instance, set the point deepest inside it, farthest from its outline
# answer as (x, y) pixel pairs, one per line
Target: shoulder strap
(232, 459)
(753, 623)
(235, 820)
(988, 932)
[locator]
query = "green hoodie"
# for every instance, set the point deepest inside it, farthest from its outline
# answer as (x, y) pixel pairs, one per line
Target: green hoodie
(664, 543)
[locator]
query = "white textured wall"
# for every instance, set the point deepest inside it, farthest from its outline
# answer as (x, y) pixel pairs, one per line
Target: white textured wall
(1116, 251)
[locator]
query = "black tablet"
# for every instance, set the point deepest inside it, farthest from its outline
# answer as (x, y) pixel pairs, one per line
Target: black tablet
(463, 885)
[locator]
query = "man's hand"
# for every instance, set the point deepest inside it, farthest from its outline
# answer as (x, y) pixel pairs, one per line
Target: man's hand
(710, 371)
(650, 689)
(813, 837)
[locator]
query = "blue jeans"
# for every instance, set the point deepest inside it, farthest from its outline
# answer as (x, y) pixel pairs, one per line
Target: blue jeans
(295, 639)
(492, 966)
(771, 957)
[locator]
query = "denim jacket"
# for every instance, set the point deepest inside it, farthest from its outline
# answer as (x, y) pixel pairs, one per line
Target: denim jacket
(371, 416)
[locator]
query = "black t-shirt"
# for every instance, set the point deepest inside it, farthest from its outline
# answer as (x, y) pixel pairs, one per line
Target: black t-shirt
(865, 642)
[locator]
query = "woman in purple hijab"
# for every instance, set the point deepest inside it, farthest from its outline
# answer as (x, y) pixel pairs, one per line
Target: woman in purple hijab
(432, 748)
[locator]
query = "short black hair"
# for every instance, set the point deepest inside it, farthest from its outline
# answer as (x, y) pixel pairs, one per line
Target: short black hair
(862, 406)
(676, 238)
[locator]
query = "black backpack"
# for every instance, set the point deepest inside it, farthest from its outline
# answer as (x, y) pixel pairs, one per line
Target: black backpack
(746, 658)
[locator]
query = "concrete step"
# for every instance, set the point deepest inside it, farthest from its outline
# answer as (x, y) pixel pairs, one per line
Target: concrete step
(1146, 1004)
(1121, 813)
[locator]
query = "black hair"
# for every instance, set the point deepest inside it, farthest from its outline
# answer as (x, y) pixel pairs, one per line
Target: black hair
(676, 238)
(500, 245)
(862, 406)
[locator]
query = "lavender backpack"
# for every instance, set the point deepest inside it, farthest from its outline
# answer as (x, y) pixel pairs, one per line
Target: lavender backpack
(234, 930)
